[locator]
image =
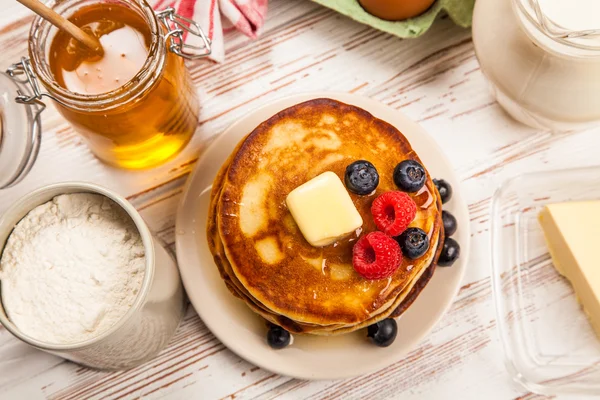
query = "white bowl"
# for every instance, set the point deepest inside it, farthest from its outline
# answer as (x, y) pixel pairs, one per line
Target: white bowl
(154, 316)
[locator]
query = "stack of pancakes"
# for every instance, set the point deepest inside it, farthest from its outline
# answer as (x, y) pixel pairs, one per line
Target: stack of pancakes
(259, 250)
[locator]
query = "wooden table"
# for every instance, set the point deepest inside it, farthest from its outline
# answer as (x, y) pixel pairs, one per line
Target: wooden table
(435, 80)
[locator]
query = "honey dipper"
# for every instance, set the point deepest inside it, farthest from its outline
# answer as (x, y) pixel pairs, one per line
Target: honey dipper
(63, 24)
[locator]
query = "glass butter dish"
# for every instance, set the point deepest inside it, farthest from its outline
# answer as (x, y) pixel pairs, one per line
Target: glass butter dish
(550, 346)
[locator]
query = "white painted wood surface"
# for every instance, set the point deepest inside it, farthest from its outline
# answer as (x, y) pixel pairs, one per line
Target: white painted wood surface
(435, 80)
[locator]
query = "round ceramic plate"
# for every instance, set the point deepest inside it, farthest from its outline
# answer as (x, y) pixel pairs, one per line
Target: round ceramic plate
(309, 357)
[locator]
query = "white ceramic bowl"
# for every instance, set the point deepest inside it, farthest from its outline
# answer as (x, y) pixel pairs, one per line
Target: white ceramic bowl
(147, 327)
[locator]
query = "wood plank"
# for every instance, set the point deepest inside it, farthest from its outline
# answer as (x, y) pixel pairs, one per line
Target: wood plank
(435, 80)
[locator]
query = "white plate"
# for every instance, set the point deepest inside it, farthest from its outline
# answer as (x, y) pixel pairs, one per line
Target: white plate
(309, 357)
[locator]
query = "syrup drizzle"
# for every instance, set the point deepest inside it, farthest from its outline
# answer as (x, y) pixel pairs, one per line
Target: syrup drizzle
(387, 286)
(348, 240)
(429, 200)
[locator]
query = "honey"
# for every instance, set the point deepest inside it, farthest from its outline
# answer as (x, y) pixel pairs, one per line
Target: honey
(125, 39)
(135, 104)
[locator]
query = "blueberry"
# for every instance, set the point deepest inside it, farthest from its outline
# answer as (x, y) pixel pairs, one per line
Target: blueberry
(444, 188)
(414, 242)
(450, 224)
(278, 338)
(409, 176)
(450, 253)
(383, 333)
(361, 177)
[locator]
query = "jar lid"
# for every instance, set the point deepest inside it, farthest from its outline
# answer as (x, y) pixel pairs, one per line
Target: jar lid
(20, 132)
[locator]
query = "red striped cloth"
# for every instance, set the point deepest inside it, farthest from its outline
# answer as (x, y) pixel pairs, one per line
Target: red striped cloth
(217, 16)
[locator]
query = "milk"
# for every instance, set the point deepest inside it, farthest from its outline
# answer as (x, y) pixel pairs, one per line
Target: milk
(574, 15)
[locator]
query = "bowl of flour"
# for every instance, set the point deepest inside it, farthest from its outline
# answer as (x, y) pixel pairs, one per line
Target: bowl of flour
(81, 276)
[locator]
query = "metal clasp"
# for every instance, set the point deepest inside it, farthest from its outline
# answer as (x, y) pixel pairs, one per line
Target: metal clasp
(23, 73)
(176, 25)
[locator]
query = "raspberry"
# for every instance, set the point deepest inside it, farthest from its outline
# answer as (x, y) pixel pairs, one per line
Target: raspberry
(393, 212)
(376, 256)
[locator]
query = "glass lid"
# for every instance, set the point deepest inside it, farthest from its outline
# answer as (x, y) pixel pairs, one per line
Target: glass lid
(550, 345)
(20, 133)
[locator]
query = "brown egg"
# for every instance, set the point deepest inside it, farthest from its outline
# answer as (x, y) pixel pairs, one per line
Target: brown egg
(395, 10)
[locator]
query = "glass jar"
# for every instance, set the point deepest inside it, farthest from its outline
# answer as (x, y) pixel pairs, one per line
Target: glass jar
(544, 75)
(146, 121)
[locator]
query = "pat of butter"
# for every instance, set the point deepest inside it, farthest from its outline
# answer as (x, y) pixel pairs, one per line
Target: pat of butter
(572, 232)
(323, 210)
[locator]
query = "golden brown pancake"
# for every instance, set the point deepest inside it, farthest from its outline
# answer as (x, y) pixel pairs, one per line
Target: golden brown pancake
(238, 290)
(261, 254)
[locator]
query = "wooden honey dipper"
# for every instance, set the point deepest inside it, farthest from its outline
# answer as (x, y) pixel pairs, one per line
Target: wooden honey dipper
(63, 24)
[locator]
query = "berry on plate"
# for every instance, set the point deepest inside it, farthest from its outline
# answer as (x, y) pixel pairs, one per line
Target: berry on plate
(414, 242)
(450, 224)
(278, 338)
(393, 212)
(383, 333)
(409, 176)
(450, 253)
(361, 177)
(444, 188)
(376, 256)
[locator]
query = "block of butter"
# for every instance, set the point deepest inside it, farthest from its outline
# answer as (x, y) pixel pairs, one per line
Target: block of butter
(572, 232)
(323, 210)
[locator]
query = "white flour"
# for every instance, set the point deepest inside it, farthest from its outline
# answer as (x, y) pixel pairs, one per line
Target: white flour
(71, 268)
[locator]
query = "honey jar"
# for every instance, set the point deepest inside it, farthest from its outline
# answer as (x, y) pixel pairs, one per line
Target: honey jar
(135, 105)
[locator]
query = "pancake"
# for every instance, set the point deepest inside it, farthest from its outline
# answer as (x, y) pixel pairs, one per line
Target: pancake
(263, 257)
(294, 327)
(238, 290)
